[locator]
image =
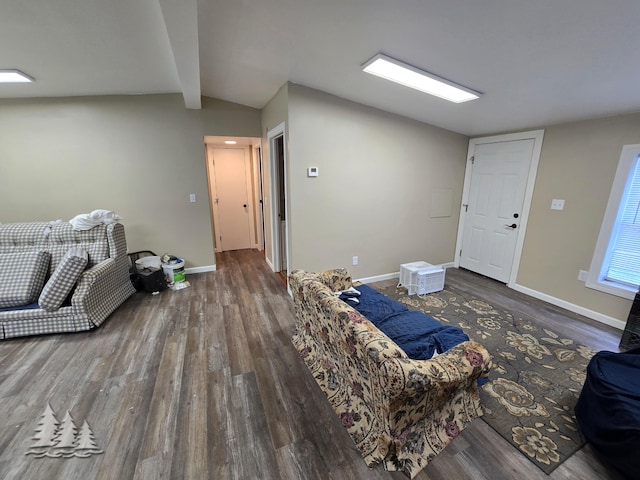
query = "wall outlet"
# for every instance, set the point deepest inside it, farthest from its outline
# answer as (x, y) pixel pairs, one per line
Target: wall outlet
(582, 276)
(192, 197)
(557, 204)
(354, 261)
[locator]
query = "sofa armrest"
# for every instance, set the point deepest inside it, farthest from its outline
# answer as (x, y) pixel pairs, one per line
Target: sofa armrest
(117, 240)
(430, 401)
(336, 280)
(91, 280)
(457, 368)
(102, 288)
(419, 388)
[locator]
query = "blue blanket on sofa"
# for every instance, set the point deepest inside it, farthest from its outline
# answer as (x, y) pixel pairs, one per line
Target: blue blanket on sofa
(416, 333)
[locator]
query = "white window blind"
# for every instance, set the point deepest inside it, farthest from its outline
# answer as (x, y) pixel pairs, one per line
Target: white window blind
(624, 263)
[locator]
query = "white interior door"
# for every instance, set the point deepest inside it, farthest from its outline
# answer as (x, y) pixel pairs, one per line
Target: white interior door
(231, 203)
(494, 209)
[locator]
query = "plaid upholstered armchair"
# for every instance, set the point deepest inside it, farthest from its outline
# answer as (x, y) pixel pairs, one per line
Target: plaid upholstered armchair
(56, 279)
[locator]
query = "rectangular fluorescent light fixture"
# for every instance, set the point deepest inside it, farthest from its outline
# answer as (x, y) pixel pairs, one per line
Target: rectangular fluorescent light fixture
(399, 72)
(14, 76)
(230, 142)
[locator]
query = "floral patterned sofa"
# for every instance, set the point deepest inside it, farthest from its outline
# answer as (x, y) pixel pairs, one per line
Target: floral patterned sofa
(398, 411)
(44, 264)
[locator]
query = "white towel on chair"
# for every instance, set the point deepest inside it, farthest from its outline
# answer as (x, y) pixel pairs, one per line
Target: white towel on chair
(86, 221)
(105, 216)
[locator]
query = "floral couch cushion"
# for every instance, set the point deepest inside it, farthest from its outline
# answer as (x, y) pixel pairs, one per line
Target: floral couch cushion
(22, 275)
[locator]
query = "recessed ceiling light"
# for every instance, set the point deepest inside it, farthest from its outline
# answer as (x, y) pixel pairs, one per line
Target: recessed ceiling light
(399, 72)
(230, 142)
(14, 76)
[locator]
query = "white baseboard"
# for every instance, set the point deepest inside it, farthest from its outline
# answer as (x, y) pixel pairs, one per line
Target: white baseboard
(390, 276)
(270, 264)
(379, 278)
(206, 268)
(598, 317)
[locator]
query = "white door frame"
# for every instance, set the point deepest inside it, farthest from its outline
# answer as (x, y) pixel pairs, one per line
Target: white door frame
(258, 194)
(272, 134)
(535, 135)
(211, 170)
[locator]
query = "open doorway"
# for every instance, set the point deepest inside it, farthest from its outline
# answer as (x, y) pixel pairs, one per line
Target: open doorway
(282, 211)
(279, 212)
(259, 188)
(235, 192)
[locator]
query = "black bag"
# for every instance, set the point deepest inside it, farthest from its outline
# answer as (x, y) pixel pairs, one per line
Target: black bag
(147, 280)
(608, 409)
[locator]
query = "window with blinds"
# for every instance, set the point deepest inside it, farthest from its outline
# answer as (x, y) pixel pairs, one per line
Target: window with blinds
(615, 266)
(624, 245)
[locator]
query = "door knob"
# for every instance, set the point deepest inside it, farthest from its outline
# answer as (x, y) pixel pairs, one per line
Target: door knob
(244, 205)
(513, 225)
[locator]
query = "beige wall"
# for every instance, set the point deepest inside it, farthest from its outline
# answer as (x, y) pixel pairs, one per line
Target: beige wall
(273, 114)
(578, 163)
(372, 198)
(140, 156)
(379, 173)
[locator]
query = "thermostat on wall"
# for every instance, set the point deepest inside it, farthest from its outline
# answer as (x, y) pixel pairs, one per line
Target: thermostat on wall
(312, 172)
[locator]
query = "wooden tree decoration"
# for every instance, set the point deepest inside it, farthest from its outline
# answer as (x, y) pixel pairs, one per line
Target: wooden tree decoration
(45, 433)
(86, 442)
(65, 440)
(56, 439)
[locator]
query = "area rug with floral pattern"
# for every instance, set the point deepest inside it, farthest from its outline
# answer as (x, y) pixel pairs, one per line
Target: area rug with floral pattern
(536, 376)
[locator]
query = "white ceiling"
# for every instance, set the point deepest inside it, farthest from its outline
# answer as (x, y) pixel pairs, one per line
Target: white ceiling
(538, 62)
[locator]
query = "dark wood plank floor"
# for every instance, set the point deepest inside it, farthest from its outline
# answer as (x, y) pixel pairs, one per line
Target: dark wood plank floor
(203, 383)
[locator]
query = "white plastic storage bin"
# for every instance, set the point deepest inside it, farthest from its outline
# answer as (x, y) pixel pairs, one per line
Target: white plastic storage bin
(174, 271)
(421, 277)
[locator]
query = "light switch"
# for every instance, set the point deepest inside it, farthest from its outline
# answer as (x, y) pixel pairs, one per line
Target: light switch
(192, 197)
(557, 204)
